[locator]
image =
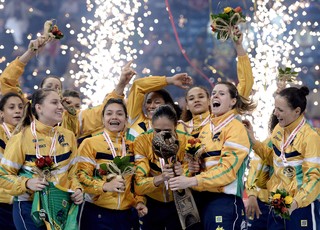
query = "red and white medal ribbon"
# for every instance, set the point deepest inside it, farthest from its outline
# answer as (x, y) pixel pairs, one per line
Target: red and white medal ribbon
(190, 127)
(292, 135)
(53, 142)
(6, 130)
(216, 129)
(113, 151)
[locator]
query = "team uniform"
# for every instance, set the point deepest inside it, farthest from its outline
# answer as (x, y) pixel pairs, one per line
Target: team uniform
(162, 212)
(256, 185)
(84, 124)
(296, 171)
(6, 221)
(138, 122)
(108, 210)
(18, 160)
(220, 181)
(245, 76)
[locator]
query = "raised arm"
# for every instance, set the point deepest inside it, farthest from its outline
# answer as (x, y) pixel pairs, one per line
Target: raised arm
(9, 80)
(244, 69)
(143, 86)
(89, 121)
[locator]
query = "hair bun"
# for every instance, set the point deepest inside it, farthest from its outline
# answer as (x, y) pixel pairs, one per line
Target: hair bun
(304, 90)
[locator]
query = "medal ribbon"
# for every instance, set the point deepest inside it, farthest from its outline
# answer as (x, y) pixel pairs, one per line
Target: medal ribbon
(53, 142)
(113, 151)
(191, 126)
(6, 130)
(216, 129)
(284, 145)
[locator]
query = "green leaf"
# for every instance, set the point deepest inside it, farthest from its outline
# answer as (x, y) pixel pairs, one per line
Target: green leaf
(117, 160)
(103, 166)
(125, 160)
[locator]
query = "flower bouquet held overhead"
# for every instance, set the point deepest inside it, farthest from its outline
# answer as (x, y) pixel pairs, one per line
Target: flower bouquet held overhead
(223, 24)
(50, 32)
(165, 146)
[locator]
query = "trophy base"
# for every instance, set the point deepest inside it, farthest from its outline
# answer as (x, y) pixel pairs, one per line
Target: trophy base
(186, 207)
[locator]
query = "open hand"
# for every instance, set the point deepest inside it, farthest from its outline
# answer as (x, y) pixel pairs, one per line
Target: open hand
(181, 80)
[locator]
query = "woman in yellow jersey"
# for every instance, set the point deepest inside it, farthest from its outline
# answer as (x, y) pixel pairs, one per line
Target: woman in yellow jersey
(11, 110)
(146, 94)
(219, 179)
(109, 203)
(257, 204)
(152, 173)
(39, 137)
(295, 155)
(197, 111)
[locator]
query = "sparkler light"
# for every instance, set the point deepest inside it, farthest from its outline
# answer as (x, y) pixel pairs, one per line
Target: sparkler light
(108, 37)
(272, 43)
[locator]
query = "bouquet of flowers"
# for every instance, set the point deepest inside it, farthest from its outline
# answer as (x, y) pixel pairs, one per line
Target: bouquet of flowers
(52, 30)
(223, 24)
(44, 167)
(120, 166)
(52, 206)
(194, 149)
(287, 74)
(281, 201)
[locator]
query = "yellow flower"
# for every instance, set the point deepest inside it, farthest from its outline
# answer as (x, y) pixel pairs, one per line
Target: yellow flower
(227, 10)
(276, 196)
(188, 146)
(219, 228)
(197, 145)
(288, 199)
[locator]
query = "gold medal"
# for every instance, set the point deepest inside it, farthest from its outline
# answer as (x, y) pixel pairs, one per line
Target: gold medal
(289, 171)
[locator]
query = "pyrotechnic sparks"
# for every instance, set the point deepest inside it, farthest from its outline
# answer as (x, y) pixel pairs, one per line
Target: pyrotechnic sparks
(108, 37)
(272, 42)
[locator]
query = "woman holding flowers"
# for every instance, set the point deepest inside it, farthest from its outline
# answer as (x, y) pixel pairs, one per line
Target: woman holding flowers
(219, 178)
(11, 109)
(295, 154)
(196, 114)
(153, 172)
(40, 138)
(110, 197)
